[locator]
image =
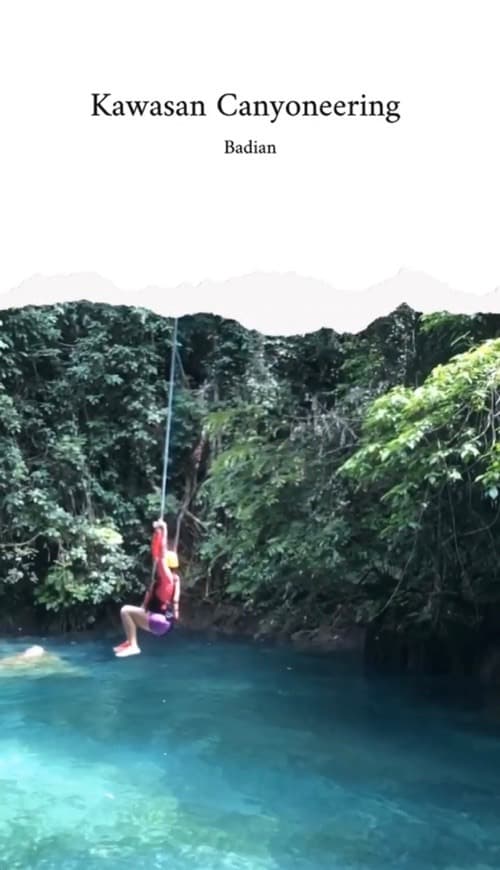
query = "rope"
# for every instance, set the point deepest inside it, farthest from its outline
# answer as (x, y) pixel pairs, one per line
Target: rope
(169, 420)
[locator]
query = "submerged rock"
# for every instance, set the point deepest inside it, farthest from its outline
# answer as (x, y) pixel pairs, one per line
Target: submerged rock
(328, 638)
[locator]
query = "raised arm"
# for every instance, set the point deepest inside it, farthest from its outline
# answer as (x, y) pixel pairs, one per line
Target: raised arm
(158, 552)
(159, 542)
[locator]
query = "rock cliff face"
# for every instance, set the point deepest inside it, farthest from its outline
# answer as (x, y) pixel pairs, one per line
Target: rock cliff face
(489, 672)
(229, 619)
(223, 619)
(475, 655)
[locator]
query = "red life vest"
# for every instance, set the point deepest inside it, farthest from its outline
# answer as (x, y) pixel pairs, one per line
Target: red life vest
(163, 591)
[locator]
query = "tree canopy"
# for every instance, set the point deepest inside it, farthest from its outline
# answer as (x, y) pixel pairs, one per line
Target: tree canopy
(353, 475)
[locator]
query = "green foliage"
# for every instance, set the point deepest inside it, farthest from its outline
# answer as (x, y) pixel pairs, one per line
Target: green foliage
(82, 402)
(91, 569)
(427, 472)
(274, 516)
(327, 476)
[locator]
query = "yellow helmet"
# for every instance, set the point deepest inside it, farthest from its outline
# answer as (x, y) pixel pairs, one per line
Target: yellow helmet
(172, 560)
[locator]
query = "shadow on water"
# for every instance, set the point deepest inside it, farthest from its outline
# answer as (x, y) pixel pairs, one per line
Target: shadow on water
(220, 754)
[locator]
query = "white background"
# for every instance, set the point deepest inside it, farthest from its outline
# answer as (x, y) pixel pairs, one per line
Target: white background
(346, 202)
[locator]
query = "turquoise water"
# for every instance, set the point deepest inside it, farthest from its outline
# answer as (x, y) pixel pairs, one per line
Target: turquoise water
(220, 755)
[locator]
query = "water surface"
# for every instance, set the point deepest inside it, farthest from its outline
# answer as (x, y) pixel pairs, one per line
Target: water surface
(206, 755)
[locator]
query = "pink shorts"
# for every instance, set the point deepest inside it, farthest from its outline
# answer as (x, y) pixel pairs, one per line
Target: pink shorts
(159, 624)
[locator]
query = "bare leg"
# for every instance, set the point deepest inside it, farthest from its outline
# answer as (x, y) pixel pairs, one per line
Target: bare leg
(132, 618)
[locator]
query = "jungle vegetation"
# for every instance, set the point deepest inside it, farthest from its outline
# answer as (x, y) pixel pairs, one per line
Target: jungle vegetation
(354, 476)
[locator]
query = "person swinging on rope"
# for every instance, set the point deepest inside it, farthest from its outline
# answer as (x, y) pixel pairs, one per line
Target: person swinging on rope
(160, 608)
